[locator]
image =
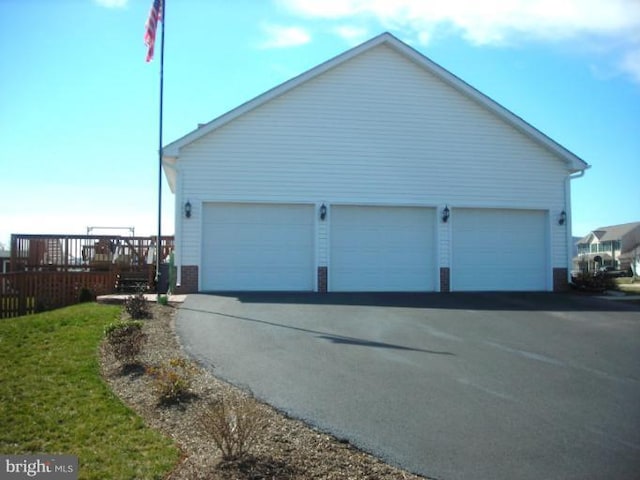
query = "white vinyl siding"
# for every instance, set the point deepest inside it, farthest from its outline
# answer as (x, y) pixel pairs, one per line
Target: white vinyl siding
(376, 129)
(499, 249)
(257, 247)
(382, 249)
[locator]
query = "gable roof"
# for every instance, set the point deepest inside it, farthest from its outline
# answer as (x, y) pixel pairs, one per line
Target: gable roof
(171, 151)
(613, 232)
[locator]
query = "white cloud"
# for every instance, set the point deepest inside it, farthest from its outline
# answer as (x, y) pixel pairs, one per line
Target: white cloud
(631, 64)
(326, 9)
(351, 34)
(279, 36)
(487, 21)
(612, 24)
(112, 3)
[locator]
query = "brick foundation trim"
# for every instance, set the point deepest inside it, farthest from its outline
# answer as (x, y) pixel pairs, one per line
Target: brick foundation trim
(189, 281)
(560, 282)
(322, 279)
(445, 285)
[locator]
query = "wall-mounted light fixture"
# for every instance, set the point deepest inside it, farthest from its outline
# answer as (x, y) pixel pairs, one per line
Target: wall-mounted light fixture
(323, 211)
(562, 218)
(187, 209)
(445, 214)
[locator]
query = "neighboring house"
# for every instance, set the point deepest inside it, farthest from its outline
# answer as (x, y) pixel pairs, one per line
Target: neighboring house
(616, 246)
(377, 170)
(574, 245)
(5, 257)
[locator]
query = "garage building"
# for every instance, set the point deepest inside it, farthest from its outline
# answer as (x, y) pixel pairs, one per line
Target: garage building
(378, 171)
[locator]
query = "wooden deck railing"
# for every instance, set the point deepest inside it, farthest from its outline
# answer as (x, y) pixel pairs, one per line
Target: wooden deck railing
(50, 271)
(85, 252)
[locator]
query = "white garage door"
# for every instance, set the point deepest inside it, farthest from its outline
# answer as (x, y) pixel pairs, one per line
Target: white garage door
(500, 250)
(257, 247)
(382, 249)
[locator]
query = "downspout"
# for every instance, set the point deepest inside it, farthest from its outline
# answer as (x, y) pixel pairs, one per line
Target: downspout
(569, 232)
(177, 252)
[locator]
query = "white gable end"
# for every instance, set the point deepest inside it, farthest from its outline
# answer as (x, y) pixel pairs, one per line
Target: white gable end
(378, 127)
(375, 129)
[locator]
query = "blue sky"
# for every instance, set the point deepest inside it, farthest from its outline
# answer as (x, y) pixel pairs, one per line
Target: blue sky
(79, 105)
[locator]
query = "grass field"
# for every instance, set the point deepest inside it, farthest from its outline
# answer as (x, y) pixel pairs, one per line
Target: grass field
(53, 400)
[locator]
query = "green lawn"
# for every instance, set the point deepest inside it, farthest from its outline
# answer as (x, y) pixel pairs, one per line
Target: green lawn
(53, 400)
(628, 285)
(633, 289)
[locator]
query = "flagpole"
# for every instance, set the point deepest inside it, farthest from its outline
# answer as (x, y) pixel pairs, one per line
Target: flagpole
(159, 240)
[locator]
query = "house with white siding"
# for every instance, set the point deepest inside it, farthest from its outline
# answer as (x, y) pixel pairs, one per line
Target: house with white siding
(615, 246)
(377, 170)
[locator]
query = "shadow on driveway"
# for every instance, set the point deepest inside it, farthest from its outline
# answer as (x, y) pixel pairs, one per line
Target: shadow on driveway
(337, 339)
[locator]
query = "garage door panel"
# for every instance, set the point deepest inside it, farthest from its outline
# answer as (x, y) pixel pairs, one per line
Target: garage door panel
(382, 249)
(499, 249)
(245, 279)
(258, 247)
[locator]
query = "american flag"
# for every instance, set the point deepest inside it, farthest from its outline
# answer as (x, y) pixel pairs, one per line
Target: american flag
(155, 16)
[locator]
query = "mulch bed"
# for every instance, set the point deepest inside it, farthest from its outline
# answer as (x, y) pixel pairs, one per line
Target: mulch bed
(286, 448)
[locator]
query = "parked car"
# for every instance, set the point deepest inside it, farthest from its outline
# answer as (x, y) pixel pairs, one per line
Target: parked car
(610, 271)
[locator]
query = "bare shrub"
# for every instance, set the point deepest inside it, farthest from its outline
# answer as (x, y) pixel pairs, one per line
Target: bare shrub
(234, 425)
(126, 339)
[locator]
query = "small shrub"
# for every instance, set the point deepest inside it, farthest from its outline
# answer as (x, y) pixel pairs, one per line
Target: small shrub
(137, 306)
(163, 300)
(42, 305)
(126, 340)
(172, 379)
(593, 283)
(86, 295)
(234, 425)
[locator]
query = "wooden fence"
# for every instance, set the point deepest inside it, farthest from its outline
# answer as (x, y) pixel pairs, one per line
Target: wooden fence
(23, 293)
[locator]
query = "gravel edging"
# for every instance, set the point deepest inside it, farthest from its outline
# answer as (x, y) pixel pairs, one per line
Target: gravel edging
(286, 449)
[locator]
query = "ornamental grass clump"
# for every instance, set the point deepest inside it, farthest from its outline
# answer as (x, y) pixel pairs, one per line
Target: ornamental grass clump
(172, 379)
(234, 424)
(126, 339)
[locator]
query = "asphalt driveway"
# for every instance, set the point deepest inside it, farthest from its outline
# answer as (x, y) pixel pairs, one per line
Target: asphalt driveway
(452, 386)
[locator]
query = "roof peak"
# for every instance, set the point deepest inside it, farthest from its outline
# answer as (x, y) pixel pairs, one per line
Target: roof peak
(573, 162)
(616, 226)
